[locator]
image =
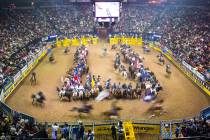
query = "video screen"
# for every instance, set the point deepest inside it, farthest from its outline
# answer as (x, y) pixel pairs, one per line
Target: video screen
(107, 9)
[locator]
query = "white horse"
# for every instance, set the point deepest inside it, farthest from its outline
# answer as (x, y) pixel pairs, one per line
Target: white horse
(78, 93)
(168, 69)
(137, 75)
(124, 73)
(63, 93)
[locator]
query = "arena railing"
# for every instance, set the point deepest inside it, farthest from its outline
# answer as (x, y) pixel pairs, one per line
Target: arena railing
(102, 128)
(192, 138)
(10, 112)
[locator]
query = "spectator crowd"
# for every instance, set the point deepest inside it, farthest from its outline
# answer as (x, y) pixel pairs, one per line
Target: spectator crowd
(13, 127)
(183, 30)
(20, 27)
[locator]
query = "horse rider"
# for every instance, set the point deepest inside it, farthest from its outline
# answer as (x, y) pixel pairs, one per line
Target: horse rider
(130, 86)
(160, 57)
(108, 84)
(66, 50)
(51, 58)
(118, 86)
(33, 78)
(104, 51)
(168, 68)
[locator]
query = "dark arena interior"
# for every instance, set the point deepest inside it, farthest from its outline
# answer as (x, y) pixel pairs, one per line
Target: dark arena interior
(104, 69)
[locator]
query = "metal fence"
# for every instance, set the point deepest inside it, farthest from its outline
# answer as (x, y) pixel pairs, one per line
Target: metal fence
(10, 112)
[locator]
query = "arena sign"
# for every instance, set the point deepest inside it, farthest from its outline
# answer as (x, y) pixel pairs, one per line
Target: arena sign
(194, 71)
(138, 129)
(146, 128)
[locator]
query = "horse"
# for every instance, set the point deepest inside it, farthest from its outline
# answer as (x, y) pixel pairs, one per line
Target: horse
(86, 108)
(116, 65)
(138, 92)
(113, 112)
(114, 47)
(38, 98)
(117, 62)
(62, 93)
(33, 78)
(161, 59)
(104, 53)
(51, 59)
(146, 49)
(78, 94)
(124, 73)
(156, 108)
(168, 69)
(66, 50)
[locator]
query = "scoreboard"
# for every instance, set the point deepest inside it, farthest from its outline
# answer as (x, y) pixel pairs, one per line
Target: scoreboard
(107, 9)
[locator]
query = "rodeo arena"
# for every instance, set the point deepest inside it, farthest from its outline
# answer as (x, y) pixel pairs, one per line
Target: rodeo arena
(105, 69)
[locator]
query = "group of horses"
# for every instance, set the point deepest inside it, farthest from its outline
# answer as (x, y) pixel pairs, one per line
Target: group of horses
(72, 83)
(146, 82)
(145, 79)
(128, 63)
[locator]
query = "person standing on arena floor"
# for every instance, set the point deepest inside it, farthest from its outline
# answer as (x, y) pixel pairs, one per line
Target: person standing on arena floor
(113, 128)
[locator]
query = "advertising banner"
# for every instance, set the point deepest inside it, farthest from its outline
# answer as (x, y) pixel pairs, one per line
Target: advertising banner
(102, 130)
(24, 69)
(146, 128)
(194, 71)
(17, 76)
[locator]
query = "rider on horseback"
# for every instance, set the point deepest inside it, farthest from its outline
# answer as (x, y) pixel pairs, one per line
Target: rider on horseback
(108, 84)
(168, 68)
(33, 78)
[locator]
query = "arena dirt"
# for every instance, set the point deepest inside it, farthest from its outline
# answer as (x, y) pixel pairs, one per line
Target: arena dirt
(181, 97)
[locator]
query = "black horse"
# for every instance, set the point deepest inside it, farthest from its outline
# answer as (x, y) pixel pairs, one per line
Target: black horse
(38, 98)
(113, 112)
(86, 108)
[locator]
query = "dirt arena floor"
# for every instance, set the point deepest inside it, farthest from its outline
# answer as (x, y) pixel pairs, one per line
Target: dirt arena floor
(181, 97)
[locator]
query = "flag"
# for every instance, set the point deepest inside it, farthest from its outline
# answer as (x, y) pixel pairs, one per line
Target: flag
(93, 83)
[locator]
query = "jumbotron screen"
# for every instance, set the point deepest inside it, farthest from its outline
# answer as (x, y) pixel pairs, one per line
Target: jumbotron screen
(107, 9)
